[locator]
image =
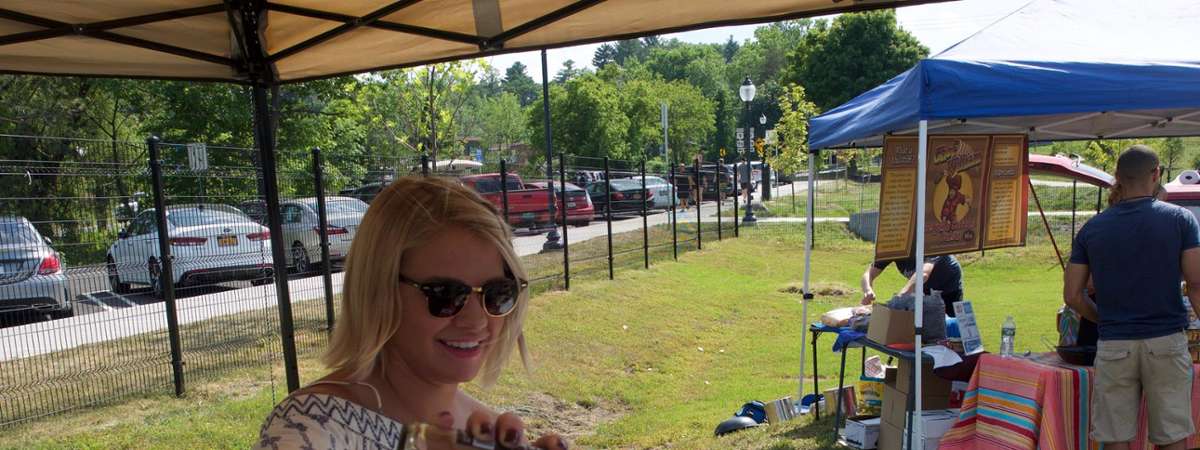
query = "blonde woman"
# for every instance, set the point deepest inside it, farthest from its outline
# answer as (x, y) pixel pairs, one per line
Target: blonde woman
(434, 296)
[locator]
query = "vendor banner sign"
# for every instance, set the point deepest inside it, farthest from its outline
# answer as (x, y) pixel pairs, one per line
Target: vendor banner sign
(975, 196)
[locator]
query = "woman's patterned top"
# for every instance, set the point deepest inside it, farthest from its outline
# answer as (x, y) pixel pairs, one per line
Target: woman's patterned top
(320, 421)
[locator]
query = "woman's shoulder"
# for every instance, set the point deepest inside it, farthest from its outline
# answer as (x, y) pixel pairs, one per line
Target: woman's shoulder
(309, 419)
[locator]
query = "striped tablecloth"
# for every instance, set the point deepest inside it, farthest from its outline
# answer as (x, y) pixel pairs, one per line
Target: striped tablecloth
(1035, 402)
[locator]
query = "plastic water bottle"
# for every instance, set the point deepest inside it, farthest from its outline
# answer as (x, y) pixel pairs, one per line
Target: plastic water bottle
(1008, 334)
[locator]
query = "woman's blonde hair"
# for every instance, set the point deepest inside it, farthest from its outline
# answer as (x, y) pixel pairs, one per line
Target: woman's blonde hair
(403, 216)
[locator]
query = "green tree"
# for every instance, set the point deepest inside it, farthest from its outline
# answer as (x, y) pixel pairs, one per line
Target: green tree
(1171, 153)
(605, 54)
(837, 61)
(568, 72)
(586, 120)
(792, 131)
(520, 84)
(503, 122)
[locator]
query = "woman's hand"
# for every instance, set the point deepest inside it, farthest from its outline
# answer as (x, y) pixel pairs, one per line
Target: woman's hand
(508, 431)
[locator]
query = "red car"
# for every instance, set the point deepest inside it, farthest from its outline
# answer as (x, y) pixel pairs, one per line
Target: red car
(527, 208)
(580, 210)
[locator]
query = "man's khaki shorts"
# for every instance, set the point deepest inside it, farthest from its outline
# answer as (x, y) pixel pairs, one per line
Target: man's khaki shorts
(1160, 368)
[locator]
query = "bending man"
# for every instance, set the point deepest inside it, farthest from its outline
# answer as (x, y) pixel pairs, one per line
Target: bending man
(942, 273)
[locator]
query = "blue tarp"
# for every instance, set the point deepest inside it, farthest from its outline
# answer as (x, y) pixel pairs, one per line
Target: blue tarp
(1079, 68)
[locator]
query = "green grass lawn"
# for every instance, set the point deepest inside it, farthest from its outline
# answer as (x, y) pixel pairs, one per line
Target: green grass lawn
(654, 359)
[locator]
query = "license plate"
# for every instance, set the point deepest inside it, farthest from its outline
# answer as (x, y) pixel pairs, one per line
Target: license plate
(527, 216)
(570, 204)
(227, 240)
(636, 196)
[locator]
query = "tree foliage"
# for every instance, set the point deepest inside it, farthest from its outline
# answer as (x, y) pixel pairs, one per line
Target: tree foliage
(792, 131)
(856, 52)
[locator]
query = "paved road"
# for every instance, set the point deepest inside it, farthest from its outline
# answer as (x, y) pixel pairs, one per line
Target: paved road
(102, 315)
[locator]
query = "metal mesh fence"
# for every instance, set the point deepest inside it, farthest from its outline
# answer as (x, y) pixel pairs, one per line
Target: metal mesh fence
(91, 311)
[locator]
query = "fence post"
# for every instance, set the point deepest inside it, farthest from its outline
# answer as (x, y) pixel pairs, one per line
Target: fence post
(699, 200)
(323, 223)
(736, 193)
(424, 165)
(166, 278)
(562, 184)
(608, 214)
(674, 216)
(720, 193)
(504, 190)
(645, 220)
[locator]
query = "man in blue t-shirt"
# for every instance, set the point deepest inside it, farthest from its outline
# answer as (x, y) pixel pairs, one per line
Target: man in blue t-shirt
(942, 273)
(1136, 252)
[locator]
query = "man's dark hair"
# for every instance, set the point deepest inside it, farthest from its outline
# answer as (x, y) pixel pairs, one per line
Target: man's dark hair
(1136, 163)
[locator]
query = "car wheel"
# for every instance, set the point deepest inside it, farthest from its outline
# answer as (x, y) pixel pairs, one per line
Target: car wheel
(300, 263)
(68, 311)
(114, 278)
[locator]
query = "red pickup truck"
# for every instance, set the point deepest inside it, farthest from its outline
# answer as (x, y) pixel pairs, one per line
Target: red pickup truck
(528, 206)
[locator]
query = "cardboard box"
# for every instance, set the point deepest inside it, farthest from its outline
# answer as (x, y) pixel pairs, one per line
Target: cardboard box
(890, 437)
(932, 385)
(895, 405)
(934, 425)
(888, 326)
(861, 432)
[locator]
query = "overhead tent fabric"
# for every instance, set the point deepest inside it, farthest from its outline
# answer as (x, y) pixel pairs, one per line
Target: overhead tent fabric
(311, 39)
(1055, 70)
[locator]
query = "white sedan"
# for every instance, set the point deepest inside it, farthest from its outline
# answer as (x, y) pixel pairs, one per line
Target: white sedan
(660, 190)
(209, 244)
(301, 229)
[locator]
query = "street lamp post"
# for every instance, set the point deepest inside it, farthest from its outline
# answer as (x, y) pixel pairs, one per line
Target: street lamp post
(746, 92)
(766, 171)
(553, 240)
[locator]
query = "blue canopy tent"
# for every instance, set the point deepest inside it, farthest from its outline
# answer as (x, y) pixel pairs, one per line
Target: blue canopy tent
(1052, 69)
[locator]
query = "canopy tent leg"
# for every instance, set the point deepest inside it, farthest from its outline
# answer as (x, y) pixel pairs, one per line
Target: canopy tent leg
(808, 239)
(1049, 231)
(919, 269)
(264, 125)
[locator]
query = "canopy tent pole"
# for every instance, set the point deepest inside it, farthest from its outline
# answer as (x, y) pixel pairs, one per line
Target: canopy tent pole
(1049, 231)
(919, 269)
(808, 240)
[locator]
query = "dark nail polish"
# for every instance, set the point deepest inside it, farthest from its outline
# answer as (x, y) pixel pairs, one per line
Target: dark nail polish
(444, 415)
(510, 437)
(562, 445)
(486, 429)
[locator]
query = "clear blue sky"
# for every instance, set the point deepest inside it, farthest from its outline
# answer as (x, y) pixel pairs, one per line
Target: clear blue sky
(937, 25)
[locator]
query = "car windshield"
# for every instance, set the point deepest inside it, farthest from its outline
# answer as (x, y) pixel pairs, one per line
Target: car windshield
(489, 185)
(192, 217)
(17, 233)
(340, 206)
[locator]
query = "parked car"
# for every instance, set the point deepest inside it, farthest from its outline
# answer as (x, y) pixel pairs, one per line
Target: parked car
(209, 243)
(256, 209)
(366, 192)
(710, 173)
(301, 229)
(660, 191)
(31, 272)
(580, 211)
(626, 195)
(527, 208)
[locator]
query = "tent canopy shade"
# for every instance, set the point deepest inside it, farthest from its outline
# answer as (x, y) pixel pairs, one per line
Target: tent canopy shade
(1053, 69)
(310, 39)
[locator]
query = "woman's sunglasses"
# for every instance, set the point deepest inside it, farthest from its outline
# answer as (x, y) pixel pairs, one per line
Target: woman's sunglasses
(447, 297)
